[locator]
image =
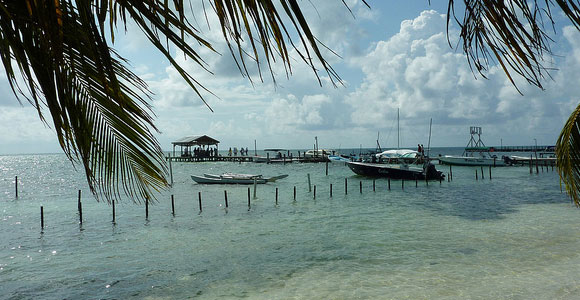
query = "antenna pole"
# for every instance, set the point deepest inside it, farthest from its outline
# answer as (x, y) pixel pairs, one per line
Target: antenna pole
(398, 130)
(429, 144)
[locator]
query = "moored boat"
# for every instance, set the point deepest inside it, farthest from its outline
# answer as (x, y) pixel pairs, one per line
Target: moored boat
(396, 171)
(233, 178)
(472, 161)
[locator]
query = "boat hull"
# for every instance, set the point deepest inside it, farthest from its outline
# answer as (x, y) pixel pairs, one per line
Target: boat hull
(395, 171)
(471, 161)
(234, 179)
(213, 180)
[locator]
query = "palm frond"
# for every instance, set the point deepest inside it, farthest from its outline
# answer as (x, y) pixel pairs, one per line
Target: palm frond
(568, 156)
(100, 119)
(98, 107)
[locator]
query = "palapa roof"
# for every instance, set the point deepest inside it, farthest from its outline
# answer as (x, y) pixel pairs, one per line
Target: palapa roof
(196, 140)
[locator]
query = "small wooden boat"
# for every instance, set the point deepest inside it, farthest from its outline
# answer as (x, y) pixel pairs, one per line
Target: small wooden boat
(233, 178)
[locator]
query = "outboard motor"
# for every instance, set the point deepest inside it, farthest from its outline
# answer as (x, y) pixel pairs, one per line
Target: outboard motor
(432, 173)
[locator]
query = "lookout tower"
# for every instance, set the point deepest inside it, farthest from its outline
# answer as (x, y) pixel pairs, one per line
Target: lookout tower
(475, 144)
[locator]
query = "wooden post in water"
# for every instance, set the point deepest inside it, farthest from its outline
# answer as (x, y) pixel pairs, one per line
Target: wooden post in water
(16, 185)
(448, 177)
(389, 184)
(249, 196)
(537, 170)
(482, 173)
(277, 196)
(255, 186)
(450, 172)
(402, 184)
(80, 207)
(294, 193)
(146, 208)
(113, 211)
(41, 217)
(531, 164)
(226, 197)
(476, 178)
(314, 191)
(360, 186)
(331, 190)
(489, 172)
(199, 197)
(326, 168)
(346, 186)
(373, 185)
(170, 170)
(172, 206)
(309, 184)
(417, 182)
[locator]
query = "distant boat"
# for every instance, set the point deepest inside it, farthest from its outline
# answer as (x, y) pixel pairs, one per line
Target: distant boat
(277, 157)
(472, 161)
(233, 178)
(397, 171)
(338, 158)
(468, 159)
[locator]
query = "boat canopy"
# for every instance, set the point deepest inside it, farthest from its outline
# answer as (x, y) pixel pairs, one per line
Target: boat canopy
(398, 153)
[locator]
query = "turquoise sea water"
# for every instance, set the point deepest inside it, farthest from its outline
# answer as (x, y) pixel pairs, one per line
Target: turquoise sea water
(512, 237)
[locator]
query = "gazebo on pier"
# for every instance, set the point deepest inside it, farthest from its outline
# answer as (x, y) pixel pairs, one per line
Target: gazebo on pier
(201, 146)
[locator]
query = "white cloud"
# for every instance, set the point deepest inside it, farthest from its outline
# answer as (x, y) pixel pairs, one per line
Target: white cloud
(416, 71)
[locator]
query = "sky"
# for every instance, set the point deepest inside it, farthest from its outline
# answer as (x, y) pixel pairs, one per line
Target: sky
(393, 57)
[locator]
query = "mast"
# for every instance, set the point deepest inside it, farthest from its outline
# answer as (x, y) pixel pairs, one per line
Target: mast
(398, 130)
(429, 144)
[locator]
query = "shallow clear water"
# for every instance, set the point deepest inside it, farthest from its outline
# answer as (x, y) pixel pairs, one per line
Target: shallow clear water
(512, 237)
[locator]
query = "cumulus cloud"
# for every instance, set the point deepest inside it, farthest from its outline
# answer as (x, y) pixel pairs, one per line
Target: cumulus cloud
(417, 72)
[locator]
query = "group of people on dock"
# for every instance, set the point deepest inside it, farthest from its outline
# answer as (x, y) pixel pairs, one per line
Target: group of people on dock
(201, 152)
(243, 151)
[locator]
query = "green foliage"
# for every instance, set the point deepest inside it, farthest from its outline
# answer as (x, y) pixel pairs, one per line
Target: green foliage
(56, 56)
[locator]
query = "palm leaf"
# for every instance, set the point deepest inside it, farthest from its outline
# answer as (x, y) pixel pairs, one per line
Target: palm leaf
(568, 155)
(98, 107)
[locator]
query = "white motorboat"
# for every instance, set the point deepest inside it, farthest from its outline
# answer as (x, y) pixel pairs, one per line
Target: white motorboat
(472, 160)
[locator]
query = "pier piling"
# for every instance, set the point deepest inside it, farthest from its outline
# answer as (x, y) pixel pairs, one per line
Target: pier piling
(389, 184)
(489, 172)
(309, 184)
(42, 217)
(113, 211)
(360, 186)
(277, 195)
(326, 168)
(476, 178)
(80, 208)
(146, 208)
(255, 187)
(199, 197)
(331, 190)
(170, 171)
(314, 197)
(249, 196)
(346, 186)
(294, 193)
(172, 206)
(226, 197)
(374, 185)
(402, 184)
(16, 185)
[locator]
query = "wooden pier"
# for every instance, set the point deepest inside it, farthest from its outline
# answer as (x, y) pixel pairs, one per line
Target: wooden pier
(247, 158)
